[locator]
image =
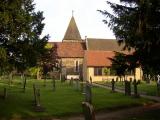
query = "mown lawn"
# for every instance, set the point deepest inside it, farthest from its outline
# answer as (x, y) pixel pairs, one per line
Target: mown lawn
(143, 87)
(66, 100)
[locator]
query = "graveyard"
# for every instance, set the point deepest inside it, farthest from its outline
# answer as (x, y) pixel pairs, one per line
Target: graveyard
(58, 100)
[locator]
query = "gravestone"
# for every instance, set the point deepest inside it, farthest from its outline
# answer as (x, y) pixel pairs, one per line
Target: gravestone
(90, 79)
(88, 93)
(35, 94)
(77, 84)
(54, 84)
(71, 81)
(135, 83)
(158, 85)
(113, 85)
(37, 105)
(130, 79)
(45, 79)
(127, 87)
(38, 97)
(116, 79)
(88, 111)
(24, 84)
(5, 93)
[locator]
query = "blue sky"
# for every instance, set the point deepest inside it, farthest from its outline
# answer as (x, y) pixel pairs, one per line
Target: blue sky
(57, 15)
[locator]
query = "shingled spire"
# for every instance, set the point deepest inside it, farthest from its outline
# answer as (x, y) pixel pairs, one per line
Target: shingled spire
(72, 32)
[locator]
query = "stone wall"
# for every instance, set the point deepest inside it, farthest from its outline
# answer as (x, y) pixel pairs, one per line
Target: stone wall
(69, 64)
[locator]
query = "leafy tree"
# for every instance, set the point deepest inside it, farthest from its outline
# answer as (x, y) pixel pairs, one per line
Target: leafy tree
(119, 64)
(20, 33)
(3, 60)
(35, 72)
(137, 24)
(49, 60)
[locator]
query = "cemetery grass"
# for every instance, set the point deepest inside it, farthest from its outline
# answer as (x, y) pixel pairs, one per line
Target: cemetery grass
(143, 87)
(64, 101)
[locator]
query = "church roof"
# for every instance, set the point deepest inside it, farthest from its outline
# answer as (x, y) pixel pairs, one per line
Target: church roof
(70, 49)
(103, 44)
(72, 32)
(95, 58)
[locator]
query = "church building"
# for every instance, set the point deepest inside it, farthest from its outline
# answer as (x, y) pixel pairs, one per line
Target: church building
(86, 58)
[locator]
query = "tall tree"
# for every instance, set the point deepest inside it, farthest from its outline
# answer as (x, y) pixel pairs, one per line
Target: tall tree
(20, 32)
(137, 24)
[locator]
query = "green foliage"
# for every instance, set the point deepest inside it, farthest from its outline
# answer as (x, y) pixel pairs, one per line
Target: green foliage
(137, 24)
(3, 60)
(20, 33)
(106, 71)
(49, 60)
(33, 71)
(119, 64)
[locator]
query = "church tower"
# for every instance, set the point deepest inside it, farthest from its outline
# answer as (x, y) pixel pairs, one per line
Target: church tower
(72, 33)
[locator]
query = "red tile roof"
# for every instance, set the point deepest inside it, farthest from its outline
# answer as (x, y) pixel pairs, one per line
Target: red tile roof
(98, 58)
(70, 49)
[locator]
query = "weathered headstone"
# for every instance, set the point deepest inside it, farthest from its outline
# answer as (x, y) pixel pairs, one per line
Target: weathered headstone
(113, 85)
(38, 107)
(38, 98)
(135, 83)
(88, 93)
(35, 94)
(76, 84)
(88, 111)
(5, 93)
(90, 79)
(130, 79)
(45, 79)
(116, 79)
(54, 83)
(127, 87)
(24, 84)
(158, 85)
(71, 81)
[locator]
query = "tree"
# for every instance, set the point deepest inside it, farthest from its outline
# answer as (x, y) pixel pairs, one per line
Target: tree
(3, 60)
(20, 33)
(137, 24)
(49, 60)
(119, 64)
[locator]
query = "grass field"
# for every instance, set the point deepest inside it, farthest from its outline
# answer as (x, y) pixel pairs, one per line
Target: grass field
(66, 100)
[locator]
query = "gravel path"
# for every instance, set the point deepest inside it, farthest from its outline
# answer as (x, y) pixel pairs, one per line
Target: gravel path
(119, 114)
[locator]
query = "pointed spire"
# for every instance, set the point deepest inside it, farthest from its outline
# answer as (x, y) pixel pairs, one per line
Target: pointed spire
(72, 32)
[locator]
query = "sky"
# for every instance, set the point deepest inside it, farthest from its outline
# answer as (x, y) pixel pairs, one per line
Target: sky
(58, 13)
